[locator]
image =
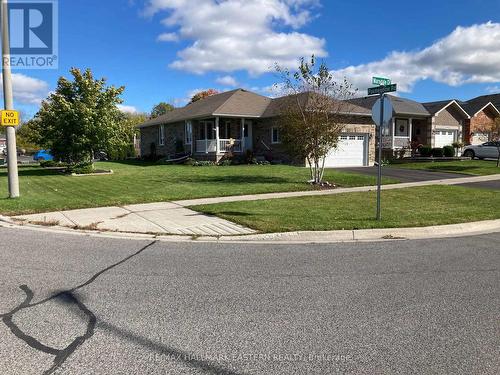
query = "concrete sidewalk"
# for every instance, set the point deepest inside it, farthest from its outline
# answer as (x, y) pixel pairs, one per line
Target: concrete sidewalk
(151, 218)
(174, 218)
(255, 197)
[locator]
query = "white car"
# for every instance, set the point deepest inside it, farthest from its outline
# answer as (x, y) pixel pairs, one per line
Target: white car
(486, 150)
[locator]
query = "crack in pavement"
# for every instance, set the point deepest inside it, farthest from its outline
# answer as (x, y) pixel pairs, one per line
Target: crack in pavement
(66, 296)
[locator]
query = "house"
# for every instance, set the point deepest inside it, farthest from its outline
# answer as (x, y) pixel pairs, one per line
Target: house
(240, 121)
(482, 111)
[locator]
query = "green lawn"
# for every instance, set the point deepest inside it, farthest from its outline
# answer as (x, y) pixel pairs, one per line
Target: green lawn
(422, 206)
(470, 167)
(45, 190)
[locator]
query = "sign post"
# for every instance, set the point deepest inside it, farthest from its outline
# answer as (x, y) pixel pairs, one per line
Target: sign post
(381, 114)
(10, 115)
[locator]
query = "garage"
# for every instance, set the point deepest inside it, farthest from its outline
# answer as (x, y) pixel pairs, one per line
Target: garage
(352, 151)
(444, 138)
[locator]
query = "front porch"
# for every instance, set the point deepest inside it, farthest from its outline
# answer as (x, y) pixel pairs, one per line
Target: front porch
(216, 137)
(403, 132)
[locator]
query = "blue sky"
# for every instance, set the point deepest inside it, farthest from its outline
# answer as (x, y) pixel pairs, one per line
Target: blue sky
(163, 50)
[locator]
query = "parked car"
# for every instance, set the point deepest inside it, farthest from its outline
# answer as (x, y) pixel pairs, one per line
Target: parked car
(42, 155)
(486, 150)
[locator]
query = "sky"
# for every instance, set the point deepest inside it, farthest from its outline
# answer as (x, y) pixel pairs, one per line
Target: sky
(166, 50)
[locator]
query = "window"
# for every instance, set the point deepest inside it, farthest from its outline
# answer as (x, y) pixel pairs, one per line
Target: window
(189, 132)
(344, 137)
(161, 135)
(275, 135)
(402, 127)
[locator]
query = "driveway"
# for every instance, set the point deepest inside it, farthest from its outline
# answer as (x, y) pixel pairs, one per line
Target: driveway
(137, 307)
(415, 175)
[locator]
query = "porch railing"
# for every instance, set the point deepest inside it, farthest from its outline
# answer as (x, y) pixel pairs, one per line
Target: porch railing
(206, 145)
(225, 145)
(400, 142)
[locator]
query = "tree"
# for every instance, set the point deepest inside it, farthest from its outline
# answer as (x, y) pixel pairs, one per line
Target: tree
(203, 94)
(314, 114)
(161, 109)
(80, 117)
(124, 147)
(27, 135)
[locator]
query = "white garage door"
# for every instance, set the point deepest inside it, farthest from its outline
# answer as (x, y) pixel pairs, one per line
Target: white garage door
(351, 152)
(444, 138)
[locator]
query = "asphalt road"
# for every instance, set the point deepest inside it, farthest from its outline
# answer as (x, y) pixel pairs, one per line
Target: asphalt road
(415, 175)
(84, 305)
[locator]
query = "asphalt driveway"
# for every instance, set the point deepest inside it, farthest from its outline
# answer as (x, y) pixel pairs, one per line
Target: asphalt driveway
(412, 175)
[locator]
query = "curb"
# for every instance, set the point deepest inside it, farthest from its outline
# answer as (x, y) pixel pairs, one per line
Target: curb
(309, 237)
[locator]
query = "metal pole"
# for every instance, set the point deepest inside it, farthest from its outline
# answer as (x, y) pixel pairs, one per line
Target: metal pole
(9, 104)
(379, 172)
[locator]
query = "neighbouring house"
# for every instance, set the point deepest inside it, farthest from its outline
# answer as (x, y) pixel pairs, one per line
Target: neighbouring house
(240, 121)
(482, 111)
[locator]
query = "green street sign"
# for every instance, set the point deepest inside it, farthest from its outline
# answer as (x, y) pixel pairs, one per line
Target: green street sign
(381, 81)
(382, 89)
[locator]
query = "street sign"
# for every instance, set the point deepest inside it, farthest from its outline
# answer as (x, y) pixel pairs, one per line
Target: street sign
(10, 118)
(381, 81)
(387, 113)
(382, 89)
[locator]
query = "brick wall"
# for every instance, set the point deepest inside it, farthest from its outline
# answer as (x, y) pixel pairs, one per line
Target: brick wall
(478, 124)
(173, 132)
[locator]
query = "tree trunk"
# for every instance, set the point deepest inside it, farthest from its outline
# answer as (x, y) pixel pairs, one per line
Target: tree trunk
(498, 158)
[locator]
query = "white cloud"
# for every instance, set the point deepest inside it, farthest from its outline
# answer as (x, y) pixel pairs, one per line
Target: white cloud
(467, 55)
(168, 37)
(227, 81)
(236, 35)
(127, 109)
(28, 90)
(493, 89)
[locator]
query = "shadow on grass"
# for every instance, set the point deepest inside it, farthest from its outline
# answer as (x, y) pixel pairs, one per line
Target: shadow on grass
(35, 171)
(248, 179)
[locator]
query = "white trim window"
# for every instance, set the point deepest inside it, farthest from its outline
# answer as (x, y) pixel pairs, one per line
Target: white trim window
(189, 132)
(275, 135)
(161, 135)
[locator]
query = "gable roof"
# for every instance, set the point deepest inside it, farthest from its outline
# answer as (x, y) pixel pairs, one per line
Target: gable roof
(474, 106)
(401, 106)
(435, 107)
(237, 102)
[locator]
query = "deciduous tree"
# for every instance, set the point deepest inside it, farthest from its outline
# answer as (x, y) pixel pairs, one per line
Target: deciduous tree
(161, 109)
(203, 94)
(80, 117)
(314, 114)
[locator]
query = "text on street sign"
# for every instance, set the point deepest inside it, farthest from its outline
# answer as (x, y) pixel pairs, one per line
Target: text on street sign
(382, 89)
(10, 118)
(381, 81)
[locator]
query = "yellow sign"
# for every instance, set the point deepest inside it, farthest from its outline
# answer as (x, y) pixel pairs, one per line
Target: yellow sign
(10, 118)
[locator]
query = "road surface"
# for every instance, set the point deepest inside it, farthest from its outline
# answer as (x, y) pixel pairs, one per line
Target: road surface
(87, 305)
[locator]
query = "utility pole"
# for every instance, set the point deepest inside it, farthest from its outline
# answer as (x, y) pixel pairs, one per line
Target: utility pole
(9, 104)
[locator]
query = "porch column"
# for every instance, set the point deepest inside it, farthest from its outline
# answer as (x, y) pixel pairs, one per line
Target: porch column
(393, 130)
(206, 138)
(242, 138)
(410, 129)
(216, 137)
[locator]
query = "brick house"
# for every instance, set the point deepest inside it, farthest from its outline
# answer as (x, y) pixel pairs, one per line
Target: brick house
(240, 121)
(482, 112)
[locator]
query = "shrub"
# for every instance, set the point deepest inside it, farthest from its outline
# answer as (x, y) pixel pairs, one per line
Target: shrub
(425, 151)
(52, 164)
(437, 152)
(190, 161)
(448, 151)
(81, 168)
(204, 163)
(225, 163)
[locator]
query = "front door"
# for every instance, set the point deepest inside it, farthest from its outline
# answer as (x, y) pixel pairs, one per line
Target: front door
(247, 135)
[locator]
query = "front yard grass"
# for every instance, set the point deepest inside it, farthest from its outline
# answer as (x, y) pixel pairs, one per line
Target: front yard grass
(412, 207)
(45, 190)
(470, 167)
